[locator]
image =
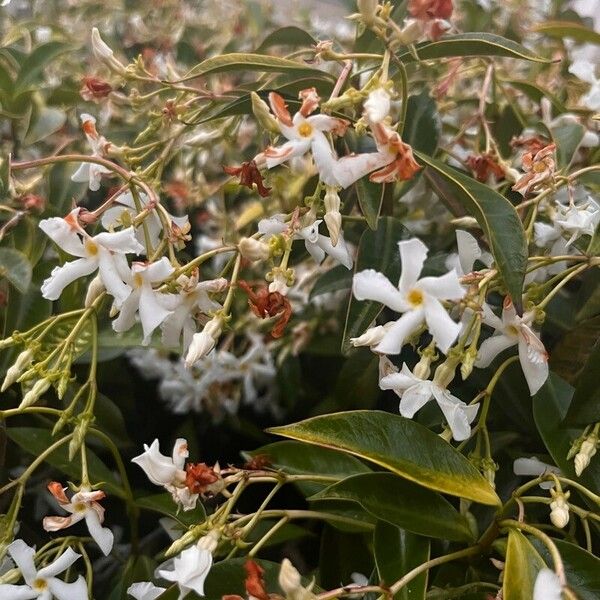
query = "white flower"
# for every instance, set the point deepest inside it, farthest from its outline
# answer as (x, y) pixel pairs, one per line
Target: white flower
(190, 570)
(105, 252)
(83, 505)
(144, 590)
(583, 66)
(304, 133)
(415, 393)
(513, 330)
(204, 341)
(534, 467)
(168, 471)
(468, 252)
(418, 299)
(578, 220)
(192, 297)
(43, 583)
(372, 336)
(144, 300)
(377, 106)
(87, 172)
(547, 586)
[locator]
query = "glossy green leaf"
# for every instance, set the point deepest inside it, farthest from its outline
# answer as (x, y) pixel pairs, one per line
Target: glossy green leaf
(397, 552)
(333, 280)
(550, 406)
(15, 267)
(495, 214)
(345, 516)
(164, 505)
(535, 92)
(523, 563)
(376, 250)
(471, 44)
(47, 121)
(35, 441)
(568, 29)
(585, 406)
(242, 61)
(35, 63)
(357, 385)
(581, 568)
(402, 503)
(370, 198)
(399, 445)
(568, 137)
(287, 36)
(422, 127)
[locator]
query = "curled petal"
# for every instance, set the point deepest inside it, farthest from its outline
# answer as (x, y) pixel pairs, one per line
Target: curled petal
(57, 523)
(103, 536)
(491, 347)
(373, 285)
(180, 452)
(62, 563)
(533, 359)
(310, 101)
(279, 108)
(62, 276)
(68, 591)
(123, 241)
(292, 149)
(57, 490)
(414, 398)
(22, 555)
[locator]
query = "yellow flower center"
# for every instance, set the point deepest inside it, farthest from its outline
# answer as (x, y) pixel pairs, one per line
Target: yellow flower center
(39, 584)
(415, 297)
(539, 167)
(305, 129)
(512, 330)
(79, 507)
(137, 280)
(91, 247)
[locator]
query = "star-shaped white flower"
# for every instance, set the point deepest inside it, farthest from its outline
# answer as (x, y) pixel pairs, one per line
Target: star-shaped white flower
(578, 220)
(91, 173)
(104, 252)
(83, 505)
(143, 299)
(513, 330)
(43, 583)
(415, 393)
(418, 299)
(190, 570)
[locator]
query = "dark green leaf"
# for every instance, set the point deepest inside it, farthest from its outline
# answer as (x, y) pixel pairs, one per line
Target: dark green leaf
(357, 385)
(287, 36)
(496, 216)
(585, 406)
(15, 267)
(568, 137)
(402, 503)
(399, 445)
(370, 198)
(47, 121)
(164, 505)
(523, 563)
(422, 127)
(35, 63)
(333, 280)
(397, 552)
(535, 92)
(568, 29)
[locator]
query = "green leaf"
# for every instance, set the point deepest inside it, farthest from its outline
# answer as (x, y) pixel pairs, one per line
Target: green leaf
(581, 568)
(15, 267)
(287, 36)
(243, 61)
(523, 563)
(397, 552)
(357, 385)
(535, 92)
(4, 176)
(550, 406)
(370, 198)
(402, 503)
(568, 29)
(164, 505)
(399, 445)
(422, 126)
(585, 406)
(376, 250)
(471, 44)
(496, 216)
(35, 441)
(333, 280)
(568, 137)
(48, 121)
(35, 63)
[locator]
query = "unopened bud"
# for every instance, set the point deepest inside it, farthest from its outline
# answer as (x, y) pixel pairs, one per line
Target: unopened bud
(7, 342)
(104, 53)
(204, 341)
(367, 10)
(209, 541)
(22, 361)
(262, 113)
(289, 578)
(371, 337)
(468, 360)
(79, 434)
(32, 396)
(559, 508)
(332, 218)
(95, 288)
(413, 31)
(585, 454)
(254, 249)
(281, 280)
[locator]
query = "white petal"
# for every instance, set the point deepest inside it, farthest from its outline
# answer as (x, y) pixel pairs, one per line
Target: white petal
(16, 592)
(491, 347)
(584, 70)
(82, 174)
(533, 363)
(399, 382)
(152, 314)
(159, 469)
(114, 216)
(287, 151)
(446, 287)
(414, 398)
(489, 317)
(62, 563)
(372, 285)
(412, 256)
(144, 590)
(126, 319)
(324, 122)
(180, 452)
(443, 329)
(63, 234)
(547, 586)
(468, 250)
(103, 536)
(324, 157)
(310, 233)
(173, 325)
(62, 276)
(532, 467)
(272, 226)
(317, 253)
(349, 169)
(158, 271)
(123, 241)
(458, 415)
(377, 105)
(339, 252)
(69, 591)
(393, 340)
(109, 273)
(22, 555)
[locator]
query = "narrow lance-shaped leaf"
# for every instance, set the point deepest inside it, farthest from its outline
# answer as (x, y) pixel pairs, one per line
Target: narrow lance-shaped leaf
(496, 216)
(523, 563)
(399, 445)
(287, 36)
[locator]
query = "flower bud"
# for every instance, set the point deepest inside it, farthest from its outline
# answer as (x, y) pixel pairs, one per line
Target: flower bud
(204, 341)
(253, 249)
(468, 360)
(289, 578)
(22, 361)
(209, 541)
(6, 343)
(333, 218)
(585, 454)
(262, 113)
(95, 288)
(377, 106)
(32, 396)
(367, 10)
(371, 337)
(282, 279)
(559, 508)
(104, 53)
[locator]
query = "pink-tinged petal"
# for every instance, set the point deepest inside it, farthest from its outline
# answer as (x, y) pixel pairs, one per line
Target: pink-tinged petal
(406, 325)
(62, 563)
(285, 152)
(103, 536)
(489, 317)
(152, 314)
(547, 586)
(339, 252)
(373, 285)
(88, 496)
(64, 233)
(56, 523)
(446, 287)
(414, 398)
(126, 319)
(509, 312)
(327, 123)
(158, 271)
(22, 555)
(17, 592)
(279, 108)
(62, 276)
(109, 273)
(491, 347)
(159, 469)
(120, 241)
(534, 361)
(324, 157)
(58, 491)
(69, 591)
(443, 329)
(412, 256)
(458, 415)
(145, 590)
(349, 169)
(180, 452)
